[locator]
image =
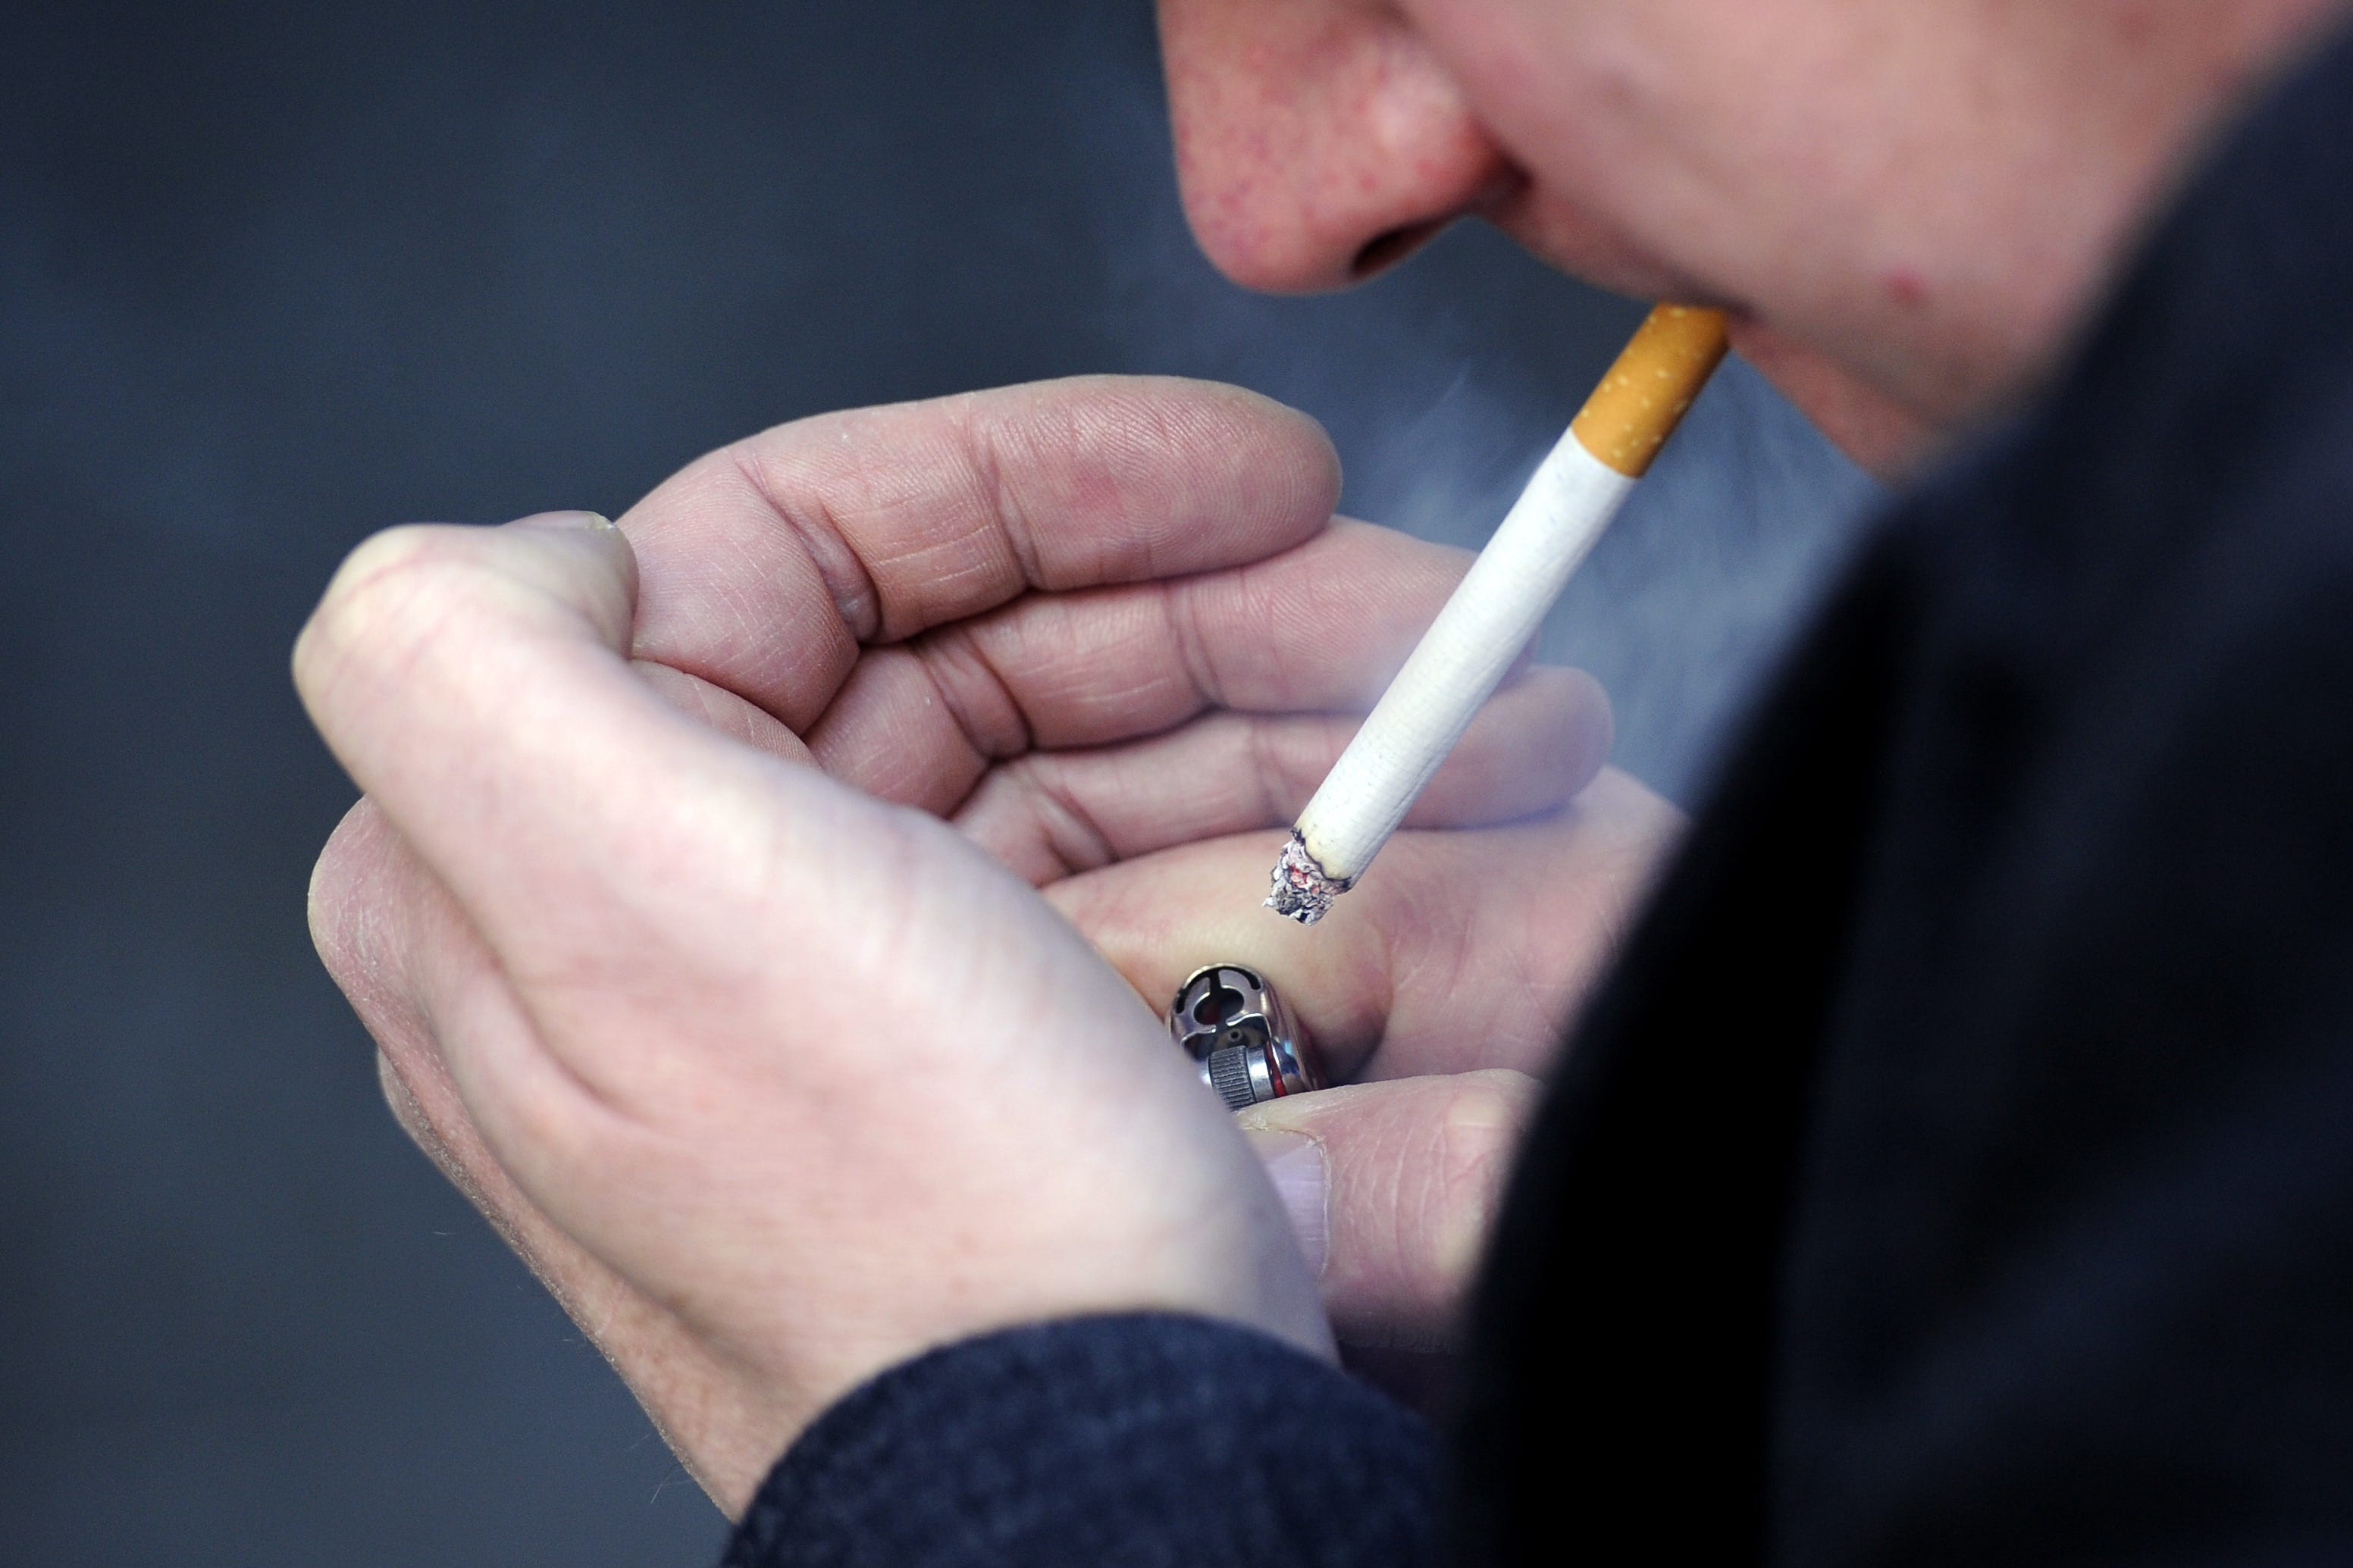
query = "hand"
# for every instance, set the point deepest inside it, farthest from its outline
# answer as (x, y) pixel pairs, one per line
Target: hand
(719, 1043)
(1439, 991)
(1127, 752)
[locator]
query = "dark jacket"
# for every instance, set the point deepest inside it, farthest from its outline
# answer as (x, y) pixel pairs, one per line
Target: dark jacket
(1958, 1166)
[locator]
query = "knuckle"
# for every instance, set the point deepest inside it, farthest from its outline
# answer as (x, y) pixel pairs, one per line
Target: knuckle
(344, 904)
(1488, 1108)
(1476, 1140)
(384, 561)
(1591, 728)
(335, 935)
(451, 1146)
(1063, 820)
(407, 1110)
(383, 596)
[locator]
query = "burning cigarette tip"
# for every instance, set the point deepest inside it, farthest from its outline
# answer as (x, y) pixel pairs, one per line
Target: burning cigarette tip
(1302, 890)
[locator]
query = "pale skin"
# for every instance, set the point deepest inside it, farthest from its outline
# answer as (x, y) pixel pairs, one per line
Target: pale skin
(762, 905)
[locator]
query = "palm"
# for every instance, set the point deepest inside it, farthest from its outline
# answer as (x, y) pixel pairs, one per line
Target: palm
(1119, 689)
(1107, 630)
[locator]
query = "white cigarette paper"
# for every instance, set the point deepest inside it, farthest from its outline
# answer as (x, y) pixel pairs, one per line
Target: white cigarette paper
(1495, 612)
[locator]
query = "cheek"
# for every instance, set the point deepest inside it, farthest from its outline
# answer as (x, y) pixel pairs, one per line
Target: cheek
(1555, 80)
(1576, 94)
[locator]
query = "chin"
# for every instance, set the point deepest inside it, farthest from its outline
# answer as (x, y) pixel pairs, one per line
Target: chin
(1886, 438)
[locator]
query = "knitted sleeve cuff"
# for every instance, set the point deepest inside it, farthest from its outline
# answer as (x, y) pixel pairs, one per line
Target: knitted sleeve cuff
(1113, 1442)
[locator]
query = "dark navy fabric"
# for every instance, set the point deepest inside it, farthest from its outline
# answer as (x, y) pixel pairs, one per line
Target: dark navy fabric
(1119, 1442)
(1959, 1167)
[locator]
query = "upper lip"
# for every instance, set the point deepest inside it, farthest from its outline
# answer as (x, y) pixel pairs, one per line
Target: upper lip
(1623, 267)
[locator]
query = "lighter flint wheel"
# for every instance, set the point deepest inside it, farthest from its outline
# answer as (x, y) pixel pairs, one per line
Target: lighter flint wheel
(1248, 1048)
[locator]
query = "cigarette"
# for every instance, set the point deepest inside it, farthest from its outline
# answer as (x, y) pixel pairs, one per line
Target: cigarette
(1497, 608)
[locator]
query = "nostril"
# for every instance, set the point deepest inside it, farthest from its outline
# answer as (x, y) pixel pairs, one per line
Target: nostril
(1384, 251)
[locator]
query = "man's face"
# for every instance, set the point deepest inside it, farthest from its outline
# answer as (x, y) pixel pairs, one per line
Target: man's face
(1818, 167)
(1319, 139)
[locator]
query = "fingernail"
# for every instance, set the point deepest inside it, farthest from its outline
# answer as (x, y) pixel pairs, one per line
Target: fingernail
(1296, 1165)
(563, 519)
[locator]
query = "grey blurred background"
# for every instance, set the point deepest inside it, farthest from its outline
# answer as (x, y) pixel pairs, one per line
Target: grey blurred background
(272, 277)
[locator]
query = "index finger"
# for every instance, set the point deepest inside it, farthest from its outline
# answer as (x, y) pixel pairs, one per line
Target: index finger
(765, 566)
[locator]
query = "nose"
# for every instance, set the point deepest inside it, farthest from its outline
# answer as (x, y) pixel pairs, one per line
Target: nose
(1317, 141)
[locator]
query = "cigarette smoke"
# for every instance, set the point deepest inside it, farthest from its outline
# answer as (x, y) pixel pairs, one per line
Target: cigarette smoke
(1445, 381)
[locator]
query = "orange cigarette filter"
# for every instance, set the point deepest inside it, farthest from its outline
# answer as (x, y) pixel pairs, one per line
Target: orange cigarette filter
(1640, 402)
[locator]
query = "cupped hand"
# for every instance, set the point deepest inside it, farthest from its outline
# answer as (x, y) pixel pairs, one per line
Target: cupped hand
(1438, 992)
(1135, 750)
(773, 1075)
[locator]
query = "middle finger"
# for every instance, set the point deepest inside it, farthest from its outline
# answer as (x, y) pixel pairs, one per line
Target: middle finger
(1050, 814)
(1318, 628)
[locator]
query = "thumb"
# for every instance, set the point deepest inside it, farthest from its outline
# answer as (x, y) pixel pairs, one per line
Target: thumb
(1391, 1188)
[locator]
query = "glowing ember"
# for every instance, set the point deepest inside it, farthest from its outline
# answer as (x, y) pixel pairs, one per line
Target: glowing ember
(1300, 890)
